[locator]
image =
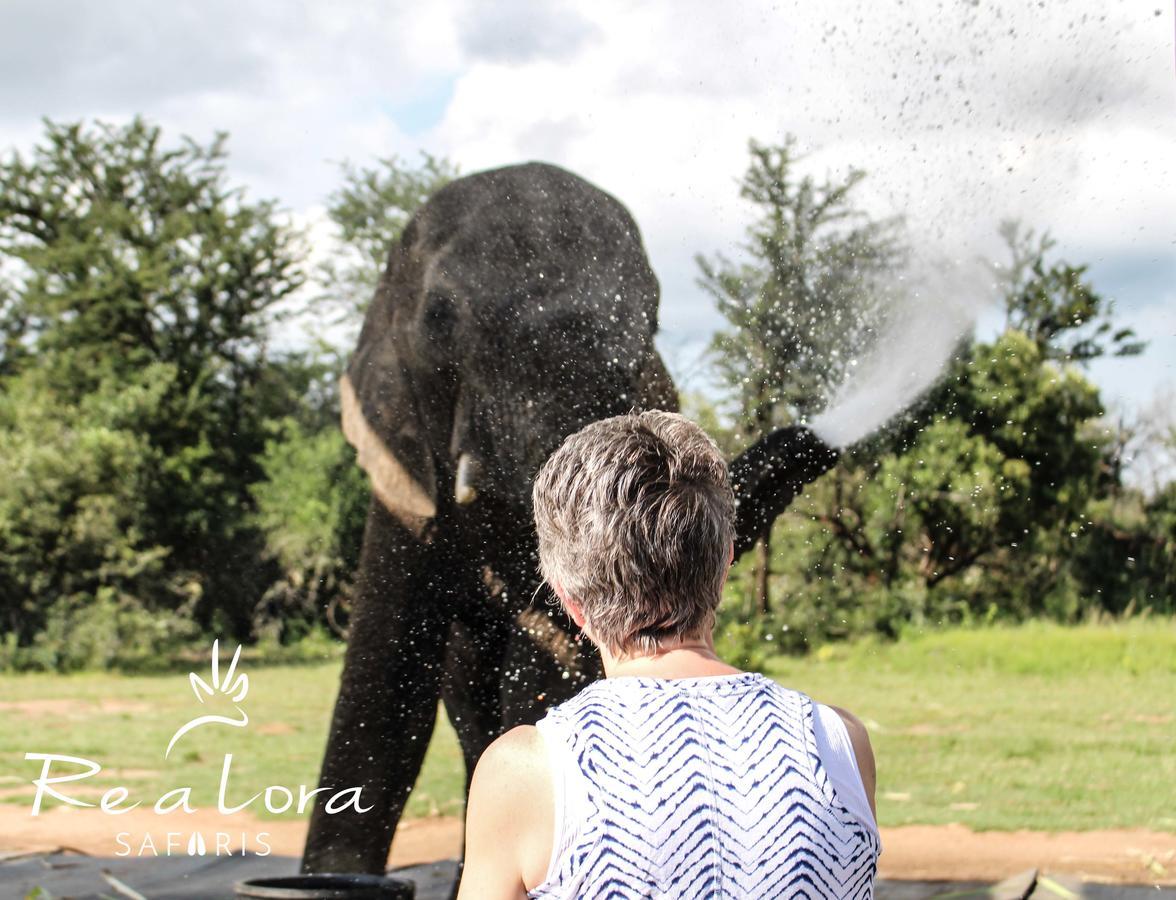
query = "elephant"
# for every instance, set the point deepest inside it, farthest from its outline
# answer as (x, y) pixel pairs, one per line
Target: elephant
(518, 306)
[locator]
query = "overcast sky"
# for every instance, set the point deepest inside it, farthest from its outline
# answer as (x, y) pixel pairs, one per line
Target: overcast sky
(963, 113)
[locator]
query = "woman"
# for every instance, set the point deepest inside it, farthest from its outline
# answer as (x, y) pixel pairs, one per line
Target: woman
(677, 775)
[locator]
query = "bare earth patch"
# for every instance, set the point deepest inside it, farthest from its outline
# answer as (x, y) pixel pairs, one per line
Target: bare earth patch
(912, 852)
(276, 728)
(71, 708)
(956, 853)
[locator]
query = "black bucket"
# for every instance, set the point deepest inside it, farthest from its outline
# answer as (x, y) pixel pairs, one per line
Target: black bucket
(326, 887)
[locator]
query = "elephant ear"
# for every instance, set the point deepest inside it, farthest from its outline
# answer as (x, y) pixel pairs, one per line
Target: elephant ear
(381, 420)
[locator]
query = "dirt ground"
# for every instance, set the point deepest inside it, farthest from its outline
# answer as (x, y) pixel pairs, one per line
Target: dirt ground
(917, 852)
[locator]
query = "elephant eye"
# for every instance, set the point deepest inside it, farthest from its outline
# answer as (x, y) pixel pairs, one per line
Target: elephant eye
(440, 316)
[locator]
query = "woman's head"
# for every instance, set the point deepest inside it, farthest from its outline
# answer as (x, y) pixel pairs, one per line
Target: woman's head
(636, 516)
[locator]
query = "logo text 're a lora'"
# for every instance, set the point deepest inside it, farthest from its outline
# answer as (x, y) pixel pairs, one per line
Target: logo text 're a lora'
(59, 770)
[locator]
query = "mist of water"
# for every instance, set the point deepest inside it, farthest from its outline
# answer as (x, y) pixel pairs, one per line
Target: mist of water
(910, 353)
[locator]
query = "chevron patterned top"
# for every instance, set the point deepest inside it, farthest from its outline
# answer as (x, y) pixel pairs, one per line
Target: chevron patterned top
(697, 788)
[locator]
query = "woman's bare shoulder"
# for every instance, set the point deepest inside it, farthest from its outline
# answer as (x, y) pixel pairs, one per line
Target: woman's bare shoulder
(515, 760)
(511, 804)
(518, 744)
(859, 737)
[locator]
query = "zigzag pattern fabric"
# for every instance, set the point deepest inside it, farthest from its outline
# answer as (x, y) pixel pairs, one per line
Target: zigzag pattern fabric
(699, 788)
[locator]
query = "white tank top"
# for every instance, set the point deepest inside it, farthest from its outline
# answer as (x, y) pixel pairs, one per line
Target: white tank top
(721, 787)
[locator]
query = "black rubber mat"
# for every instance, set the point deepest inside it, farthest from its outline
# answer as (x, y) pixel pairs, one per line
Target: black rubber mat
(66, 875)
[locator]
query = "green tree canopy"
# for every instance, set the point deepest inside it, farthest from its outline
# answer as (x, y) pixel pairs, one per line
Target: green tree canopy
(133, 269)
(1000, 496)
(809, 297)
(120, 252)
(370, 211)
(810, 294)
(1056, 305)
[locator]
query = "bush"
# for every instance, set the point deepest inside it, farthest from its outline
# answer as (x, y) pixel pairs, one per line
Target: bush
(74, 503)
(311, 506)
(101, 632)
(746, 643)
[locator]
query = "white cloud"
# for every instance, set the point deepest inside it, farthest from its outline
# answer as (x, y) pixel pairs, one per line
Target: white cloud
(298, 85)
(963, 113)
(77, 57)
(520, 31)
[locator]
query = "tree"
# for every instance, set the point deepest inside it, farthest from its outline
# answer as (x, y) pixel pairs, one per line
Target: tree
(809, 297)
(13, 329)
(370, 212)
(74, 525)
(132, 267)
(1126, 556)
(975, 515)
(127, 253)
(999, 496)
(1056, 306)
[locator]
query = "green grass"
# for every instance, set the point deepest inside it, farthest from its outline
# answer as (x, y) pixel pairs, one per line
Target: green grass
(125, 722)
(1036, 726)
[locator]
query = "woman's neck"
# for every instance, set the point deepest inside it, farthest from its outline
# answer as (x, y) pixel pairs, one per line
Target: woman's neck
(692, 657)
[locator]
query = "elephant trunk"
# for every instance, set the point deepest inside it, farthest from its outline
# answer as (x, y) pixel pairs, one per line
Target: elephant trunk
(769, 474)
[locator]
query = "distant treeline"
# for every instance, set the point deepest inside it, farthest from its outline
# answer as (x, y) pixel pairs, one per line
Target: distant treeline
(166, 475)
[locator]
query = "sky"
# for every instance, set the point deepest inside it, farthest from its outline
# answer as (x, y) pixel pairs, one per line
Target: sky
(962, 112)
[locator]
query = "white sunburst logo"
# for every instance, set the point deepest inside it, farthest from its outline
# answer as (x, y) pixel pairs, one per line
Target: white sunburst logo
(233, 684)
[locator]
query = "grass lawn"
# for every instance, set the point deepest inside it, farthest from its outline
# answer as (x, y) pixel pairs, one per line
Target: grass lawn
(125, 722)
(1036, 727)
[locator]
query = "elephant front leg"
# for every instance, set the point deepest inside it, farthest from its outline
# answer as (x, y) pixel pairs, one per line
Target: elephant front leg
(387, 702)
(473, 673)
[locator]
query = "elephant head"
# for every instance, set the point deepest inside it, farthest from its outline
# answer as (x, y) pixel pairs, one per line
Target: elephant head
(518, 306)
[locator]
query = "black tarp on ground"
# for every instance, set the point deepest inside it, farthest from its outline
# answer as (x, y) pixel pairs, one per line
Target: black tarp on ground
(67, 875)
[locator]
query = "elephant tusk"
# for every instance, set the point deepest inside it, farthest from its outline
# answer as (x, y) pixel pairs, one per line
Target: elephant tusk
(465, 491)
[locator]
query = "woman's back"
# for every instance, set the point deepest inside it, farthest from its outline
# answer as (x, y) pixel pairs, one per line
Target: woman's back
(698, 787)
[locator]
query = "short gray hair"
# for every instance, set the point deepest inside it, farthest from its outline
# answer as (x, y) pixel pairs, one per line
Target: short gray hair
(635, 517)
